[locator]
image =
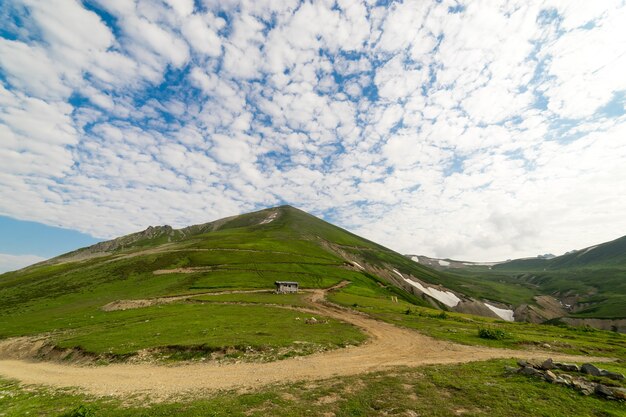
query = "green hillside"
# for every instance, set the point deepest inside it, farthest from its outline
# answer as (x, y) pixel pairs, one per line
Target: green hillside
(592, 281)
(63, 298)
(605, 255)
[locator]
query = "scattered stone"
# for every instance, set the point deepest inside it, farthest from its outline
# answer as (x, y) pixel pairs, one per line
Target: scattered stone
(511, 369)
(547, 364)
(562, 381)
(312, 320)
(546, 346)
(590, 369)
(532, 363)
(569, 367)
(603, 390)
(530, 371)
(619, 393)
(550, 376)
(613, 375)
(586, 387)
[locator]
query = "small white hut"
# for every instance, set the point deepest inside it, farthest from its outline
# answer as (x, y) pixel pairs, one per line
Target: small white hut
(286, 287)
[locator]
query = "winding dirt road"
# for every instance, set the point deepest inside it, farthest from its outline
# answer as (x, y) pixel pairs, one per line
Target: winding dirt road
(388, 346)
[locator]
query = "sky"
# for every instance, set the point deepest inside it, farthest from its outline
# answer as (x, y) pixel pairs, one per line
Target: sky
(480, 130)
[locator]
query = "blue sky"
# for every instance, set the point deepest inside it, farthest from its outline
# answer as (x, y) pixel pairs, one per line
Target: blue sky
(32, 238)
(479, 131)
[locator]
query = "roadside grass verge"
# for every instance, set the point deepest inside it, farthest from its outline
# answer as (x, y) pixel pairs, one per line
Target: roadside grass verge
(464, 329)
(479, 388)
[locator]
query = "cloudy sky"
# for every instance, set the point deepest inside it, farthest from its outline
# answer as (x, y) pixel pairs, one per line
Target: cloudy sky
(478, 130)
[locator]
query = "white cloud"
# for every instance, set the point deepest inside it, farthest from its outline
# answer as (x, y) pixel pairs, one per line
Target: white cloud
(586, 66)
(199, 33)
(476, 134)
(14, 262)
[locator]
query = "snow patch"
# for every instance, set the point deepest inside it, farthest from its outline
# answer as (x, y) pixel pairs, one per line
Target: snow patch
(446, 297)
(398, 273)
(503, 313)
(415, 259)
(588, 249)
(357, 264)
(270, 218)
(444, 263)
(489, 264)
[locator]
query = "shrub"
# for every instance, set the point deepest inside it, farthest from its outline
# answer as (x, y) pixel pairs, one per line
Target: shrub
(492, 334)
(80, 411)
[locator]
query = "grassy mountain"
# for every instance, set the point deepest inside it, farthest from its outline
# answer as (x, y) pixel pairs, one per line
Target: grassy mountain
(605, 255)
(204, 291)
(66, 298)
(585, 284)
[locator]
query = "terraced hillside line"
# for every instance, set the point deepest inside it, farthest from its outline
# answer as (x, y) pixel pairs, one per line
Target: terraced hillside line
(389, 346)
(166, 248)
(222, 268)
(148, 302)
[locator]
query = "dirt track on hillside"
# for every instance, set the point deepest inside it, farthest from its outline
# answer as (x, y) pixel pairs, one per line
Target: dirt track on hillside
(388, 346)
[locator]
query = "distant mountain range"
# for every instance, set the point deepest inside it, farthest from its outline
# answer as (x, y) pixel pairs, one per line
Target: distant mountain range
(586, 286)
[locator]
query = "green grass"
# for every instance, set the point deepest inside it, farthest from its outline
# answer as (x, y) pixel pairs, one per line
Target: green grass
(210, 326)
(475, 389)
(464, 329)
(258, 298)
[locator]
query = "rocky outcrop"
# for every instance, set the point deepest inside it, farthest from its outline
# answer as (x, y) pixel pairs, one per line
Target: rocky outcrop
(614, 325)
(547, 371)
(546, 308)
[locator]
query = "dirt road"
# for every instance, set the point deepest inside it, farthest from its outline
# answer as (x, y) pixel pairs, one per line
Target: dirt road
(388, 346)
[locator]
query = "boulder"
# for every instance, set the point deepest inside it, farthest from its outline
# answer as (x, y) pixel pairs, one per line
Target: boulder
(530, 371)
(511, 369)
(547, 364)
(562, 381)
(590, 369)
(613, 375)
(619, 393)
(549, 376)
(584, 386)
(603, 390)
(532, 363)
(569, 367)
